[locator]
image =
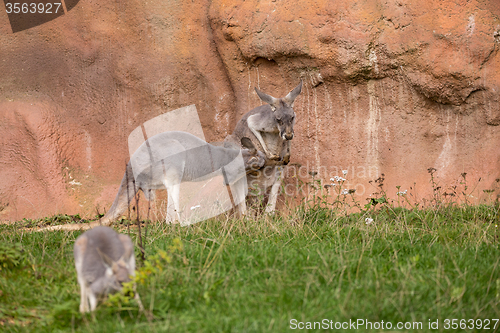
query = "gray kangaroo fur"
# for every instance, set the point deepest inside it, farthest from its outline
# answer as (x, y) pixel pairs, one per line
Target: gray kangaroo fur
(104, 260)
(270, 127)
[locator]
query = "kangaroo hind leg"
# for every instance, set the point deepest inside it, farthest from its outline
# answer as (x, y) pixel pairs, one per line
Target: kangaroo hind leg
(172, 182)
(273, 196)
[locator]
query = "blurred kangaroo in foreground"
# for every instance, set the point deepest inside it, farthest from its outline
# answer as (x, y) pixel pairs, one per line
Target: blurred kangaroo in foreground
(104, 260)
(270, 127)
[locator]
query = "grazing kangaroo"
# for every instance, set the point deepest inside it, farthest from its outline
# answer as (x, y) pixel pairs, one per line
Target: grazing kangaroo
(269, 126)
(104, 260)
(167, 159)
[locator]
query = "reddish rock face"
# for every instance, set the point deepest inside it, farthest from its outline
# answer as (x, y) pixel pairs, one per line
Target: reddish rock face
(390, 87)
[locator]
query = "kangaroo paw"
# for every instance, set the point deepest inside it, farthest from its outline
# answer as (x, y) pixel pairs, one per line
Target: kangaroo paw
(286, 159)
(274, 157)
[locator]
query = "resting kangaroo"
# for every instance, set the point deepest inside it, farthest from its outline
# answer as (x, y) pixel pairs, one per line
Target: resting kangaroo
(104, 260)
(269, 126)
(169, 158)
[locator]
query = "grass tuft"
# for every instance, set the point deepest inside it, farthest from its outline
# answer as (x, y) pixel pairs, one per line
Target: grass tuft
(257, 275)
(331, 258)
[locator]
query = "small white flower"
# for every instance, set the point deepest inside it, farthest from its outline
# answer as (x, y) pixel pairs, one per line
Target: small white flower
(368, 220)
(344, 192)
(344, 172)
(402, 192)
(195, 207)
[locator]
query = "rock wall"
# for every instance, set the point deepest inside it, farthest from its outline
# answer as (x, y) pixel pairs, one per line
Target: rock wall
(391, 87)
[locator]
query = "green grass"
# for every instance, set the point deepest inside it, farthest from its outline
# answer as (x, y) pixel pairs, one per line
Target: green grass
(416, 265)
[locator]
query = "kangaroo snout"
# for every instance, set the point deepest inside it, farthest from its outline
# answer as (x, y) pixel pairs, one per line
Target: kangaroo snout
(287, 134)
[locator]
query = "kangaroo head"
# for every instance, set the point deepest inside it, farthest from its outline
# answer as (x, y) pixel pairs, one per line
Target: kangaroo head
(117, 272)
(282, 108)
(254, 159)
(121, 271)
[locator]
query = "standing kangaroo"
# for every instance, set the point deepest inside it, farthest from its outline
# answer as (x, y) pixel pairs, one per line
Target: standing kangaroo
(169, 158)
(104, 260)
(269, 126)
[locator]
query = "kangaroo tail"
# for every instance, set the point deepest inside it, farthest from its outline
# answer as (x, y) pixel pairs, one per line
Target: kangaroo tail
(125, 195)
(71, 227)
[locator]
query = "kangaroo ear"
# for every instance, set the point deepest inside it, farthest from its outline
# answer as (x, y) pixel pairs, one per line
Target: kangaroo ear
(108, 262)
(127, 246)
(290, 98)
(80, 246)
(120, 262)
(247, 143)
(267, 99)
